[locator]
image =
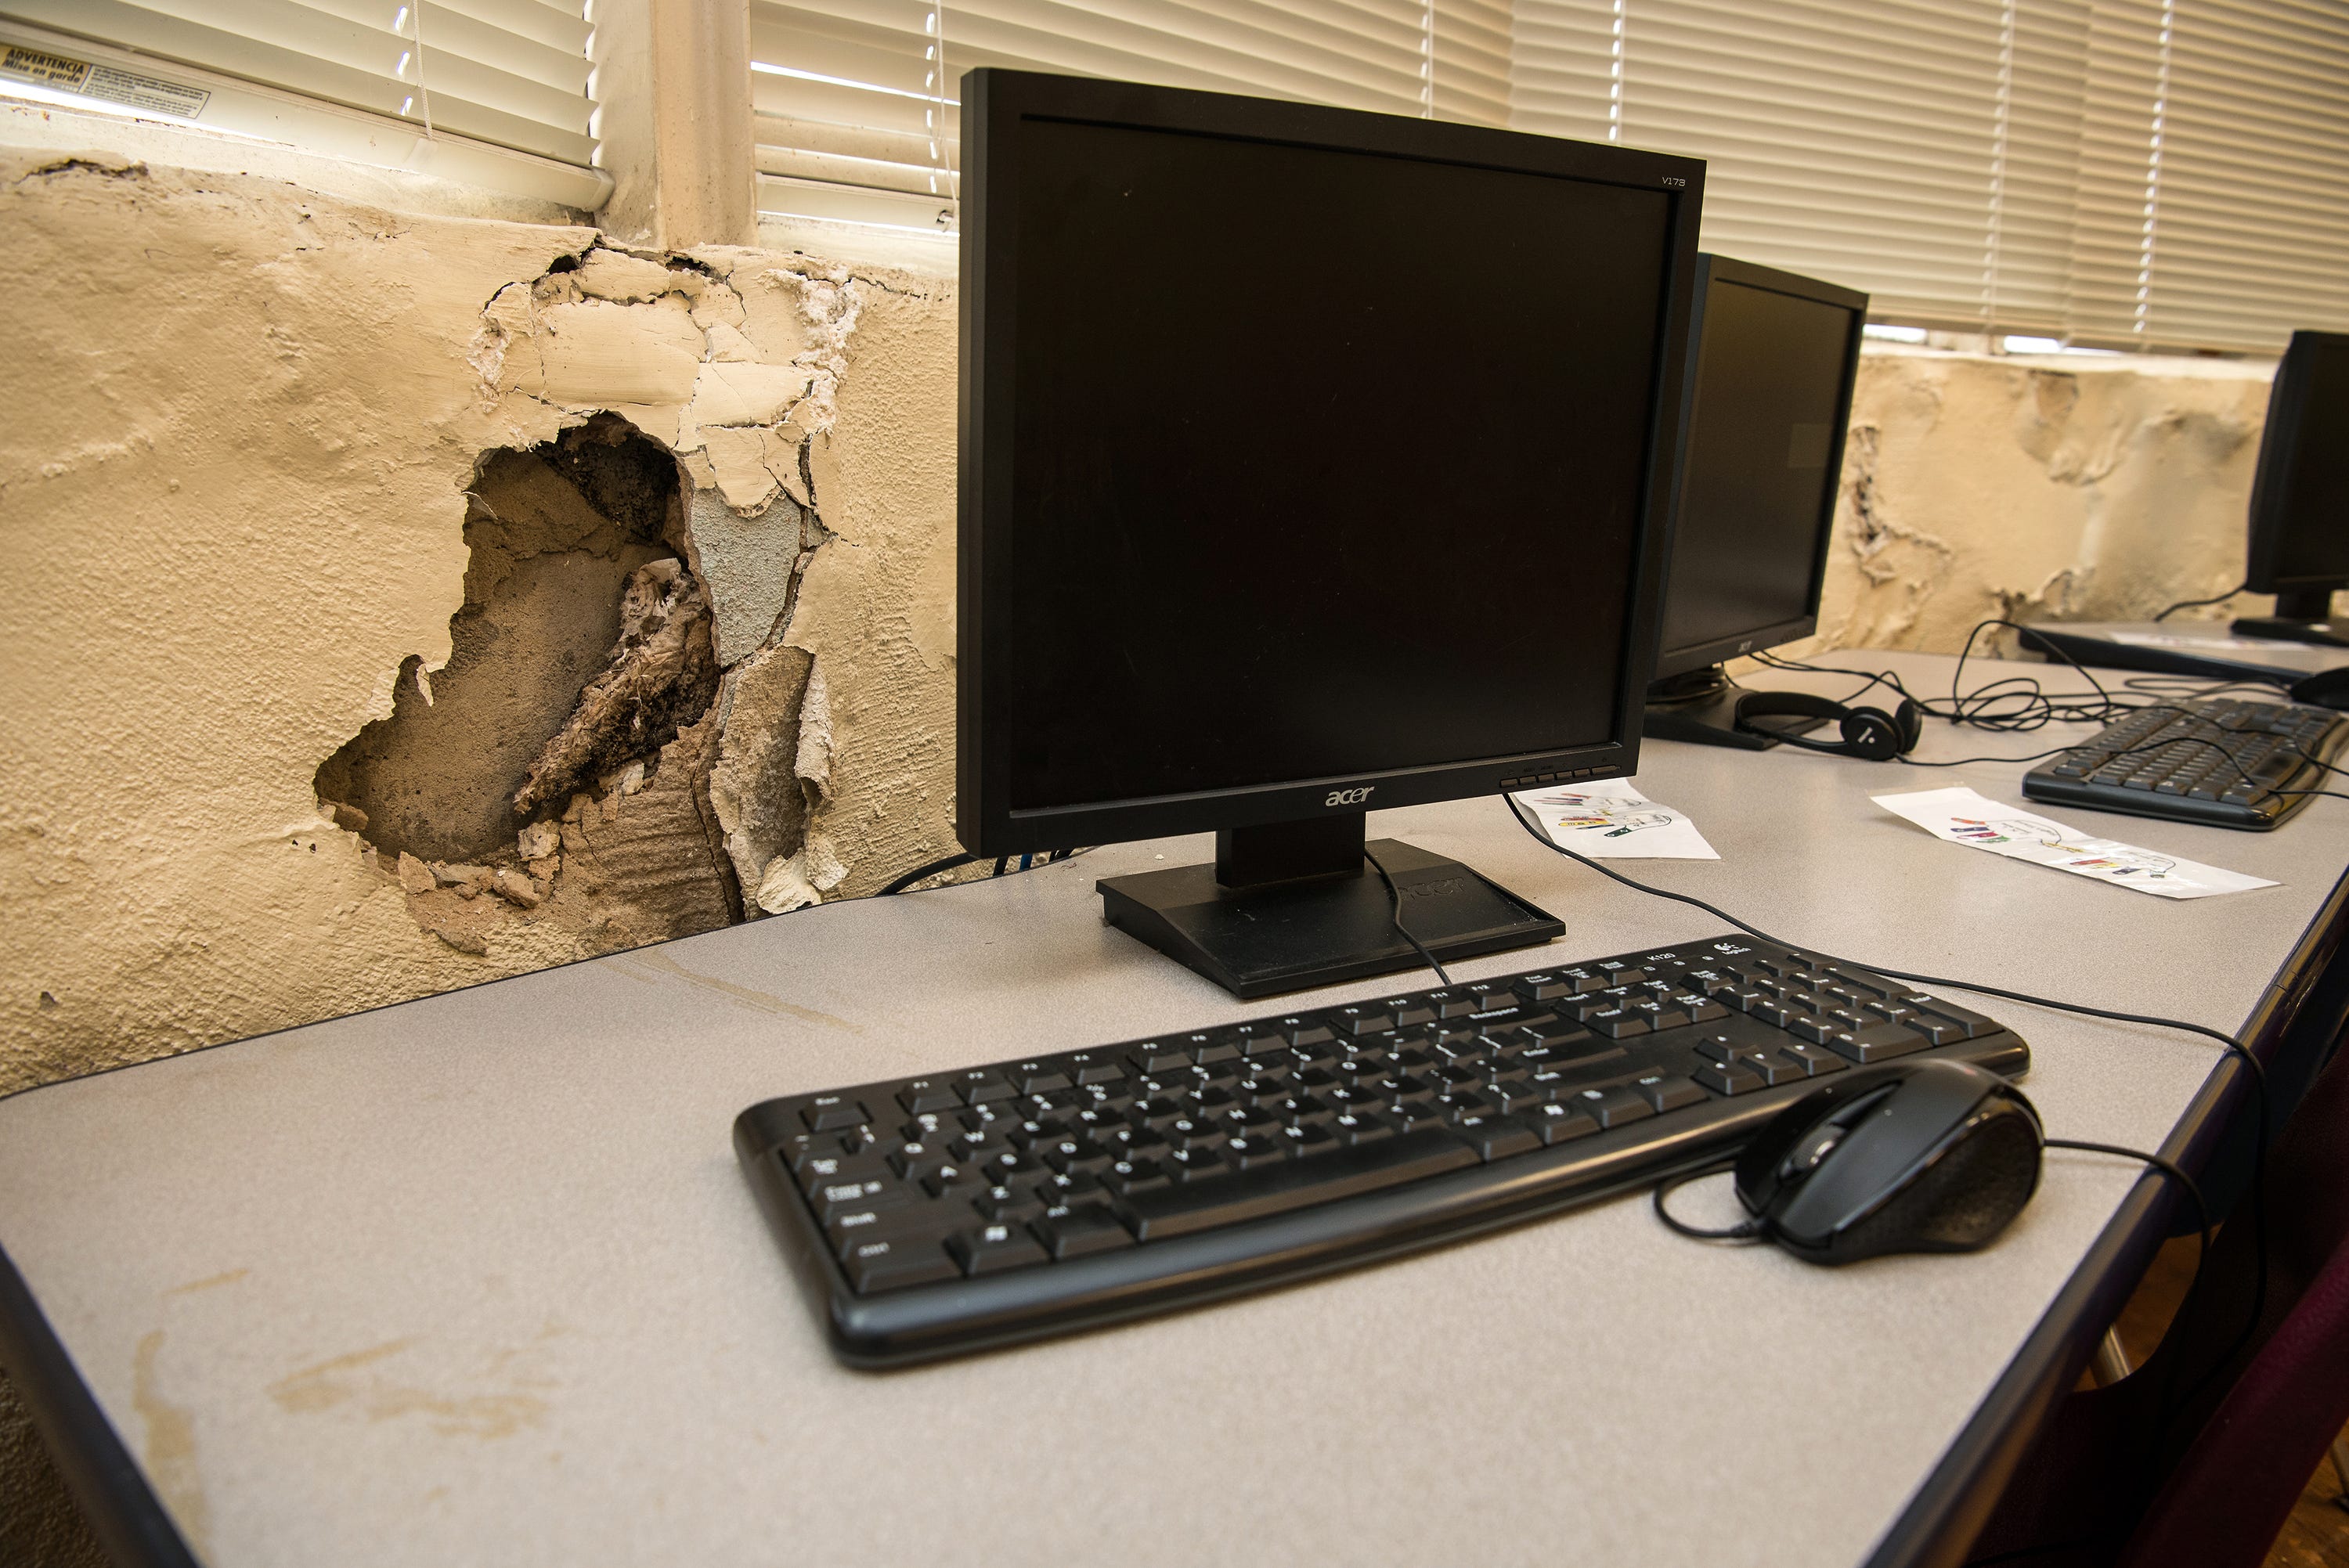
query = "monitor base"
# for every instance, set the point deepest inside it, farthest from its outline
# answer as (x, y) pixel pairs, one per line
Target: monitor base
(1290, 935)
(1706, 712)
(2284, 629)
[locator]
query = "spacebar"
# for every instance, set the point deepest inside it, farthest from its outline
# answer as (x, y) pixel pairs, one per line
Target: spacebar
(1202, 1205)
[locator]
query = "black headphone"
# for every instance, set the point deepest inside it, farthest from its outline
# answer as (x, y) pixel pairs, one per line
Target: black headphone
(1868, 733)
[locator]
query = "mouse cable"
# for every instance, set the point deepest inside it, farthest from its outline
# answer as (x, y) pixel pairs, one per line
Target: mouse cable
(2253, 1068)
(2198, 604)
(1394, 914)
(1744, 1232)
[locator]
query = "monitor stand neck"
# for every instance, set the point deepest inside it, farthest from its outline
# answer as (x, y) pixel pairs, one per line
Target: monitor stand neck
(1701, 706)
(1290, 905)
(2302, 615)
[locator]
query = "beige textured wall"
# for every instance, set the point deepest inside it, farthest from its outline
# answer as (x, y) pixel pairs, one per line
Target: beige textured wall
(237, 437)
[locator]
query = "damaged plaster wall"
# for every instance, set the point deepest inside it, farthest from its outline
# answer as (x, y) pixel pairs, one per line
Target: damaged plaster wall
(2078, 487)
(278, 463)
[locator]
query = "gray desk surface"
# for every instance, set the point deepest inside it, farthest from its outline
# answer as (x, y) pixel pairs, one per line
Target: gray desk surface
(476, 1280)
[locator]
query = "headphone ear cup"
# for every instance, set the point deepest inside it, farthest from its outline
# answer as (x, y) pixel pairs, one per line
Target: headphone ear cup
(1910, 719)
(1872, 734)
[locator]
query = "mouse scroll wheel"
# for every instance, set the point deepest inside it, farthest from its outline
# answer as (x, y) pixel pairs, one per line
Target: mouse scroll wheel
(1806, 1155)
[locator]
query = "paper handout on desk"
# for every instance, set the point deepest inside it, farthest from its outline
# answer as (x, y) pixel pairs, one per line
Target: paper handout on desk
(1963, 817)
(1609, 820)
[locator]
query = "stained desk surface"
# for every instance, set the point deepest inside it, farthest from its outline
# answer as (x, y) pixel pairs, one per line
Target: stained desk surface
(476, 1279)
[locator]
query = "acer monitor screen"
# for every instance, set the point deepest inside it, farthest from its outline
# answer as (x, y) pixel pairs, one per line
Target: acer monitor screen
(1313, 462)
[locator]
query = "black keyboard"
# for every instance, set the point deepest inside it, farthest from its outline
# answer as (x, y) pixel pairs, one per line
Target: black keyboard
(940, 1214)
(2225, 763)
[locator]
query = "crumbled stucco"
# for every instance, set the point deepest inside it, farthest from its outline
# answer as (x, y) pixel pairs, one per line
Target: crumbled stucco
(2086, 489)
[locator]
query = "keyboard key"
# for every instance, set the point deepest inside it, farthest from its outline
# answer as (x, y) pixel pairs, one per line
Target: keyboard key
(1881, 1043)
(1618, 1022)
(1971, 1024)
(1610, 1107)
(1729, 1078)
(991, 1249)
(1363, 1127)
(884, 1263)
(1079, 1231)
(1561, 1123)
(1369, 1020)
(1667, 1091)
(1813, 1061)
(1134, 1175)
(999, 1202)
(983, 1088)
(927, 1094)
(1248, 1153)
(1818, 1031)
(1339, 1173)
(1498, 1137)
(826, 1112)
(1152, 1058)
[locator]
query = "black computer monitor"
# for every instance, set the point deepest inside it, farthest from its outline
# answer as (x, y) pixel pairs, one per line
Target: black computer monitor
(2300, 494)
(1313, 461)
(1773, 358)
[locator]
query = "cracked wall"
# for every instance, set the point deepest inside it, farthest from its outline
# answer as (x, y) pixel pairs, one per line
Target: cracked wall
(2084, 487)
(410, 600)
(671, 539)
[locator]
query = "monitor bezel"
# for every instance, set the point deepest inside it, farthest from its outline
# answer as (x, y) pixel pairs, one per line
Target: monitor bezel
(2280, 440)
(994, 103)
(1679, 661)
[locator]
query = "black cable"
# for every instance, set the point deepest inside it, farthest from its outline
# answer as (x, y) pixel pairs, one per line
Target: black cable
(2185, 1184)
(1002, 867)
(2251, 1064)
(933, 869)
(2198, 604)
(1395, 912)
(2031, 708)
(1743, 1232)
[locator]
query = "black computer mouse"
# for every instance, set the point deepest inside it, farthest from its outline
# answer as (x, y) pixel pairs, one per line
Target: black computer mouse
(1924, 1157)
(2326, 688)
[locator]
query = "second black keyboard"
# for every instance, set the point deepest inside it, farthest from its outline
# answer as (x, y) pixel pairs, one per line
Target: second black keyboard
(2219, 761)
(944, 1213)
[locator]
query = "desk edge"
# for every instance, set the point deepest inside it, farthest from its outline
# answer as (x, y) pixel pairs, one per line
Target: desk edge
(1938, 1527)
(123, 1510)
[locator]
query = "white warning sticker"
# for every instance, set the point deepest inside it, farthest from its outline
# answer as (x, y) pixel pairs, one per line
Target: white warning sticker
(63, 73)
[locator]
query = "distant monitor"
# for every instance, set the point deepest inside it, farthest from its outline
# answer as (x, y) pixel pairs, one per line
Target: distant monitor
(1773, 360)
(1313, 462)
(2299, 548)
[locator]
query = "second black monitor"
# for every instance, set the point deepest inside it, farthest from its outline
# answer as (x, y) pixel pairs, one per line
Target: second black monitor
(1773, 360)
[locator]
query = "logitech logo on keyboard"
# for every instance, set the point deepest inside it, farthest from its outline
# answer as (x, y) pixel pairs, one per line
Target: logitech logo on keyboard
(1349, 797)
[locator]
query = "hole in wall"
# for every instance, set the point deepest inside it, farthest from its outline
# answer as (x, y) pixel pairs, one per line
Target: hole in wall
(580, 654)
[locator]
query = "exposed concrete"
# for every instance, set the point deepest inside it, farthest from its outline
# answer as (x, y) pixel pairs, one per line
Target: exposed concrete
(544, 585)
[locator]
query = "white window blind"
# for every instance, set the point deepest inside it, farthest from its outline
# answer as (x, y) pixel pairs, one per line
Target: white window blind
(2215, 191)
(2156, 173)
(2153, 173)
(467, 75)
(857, 116)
